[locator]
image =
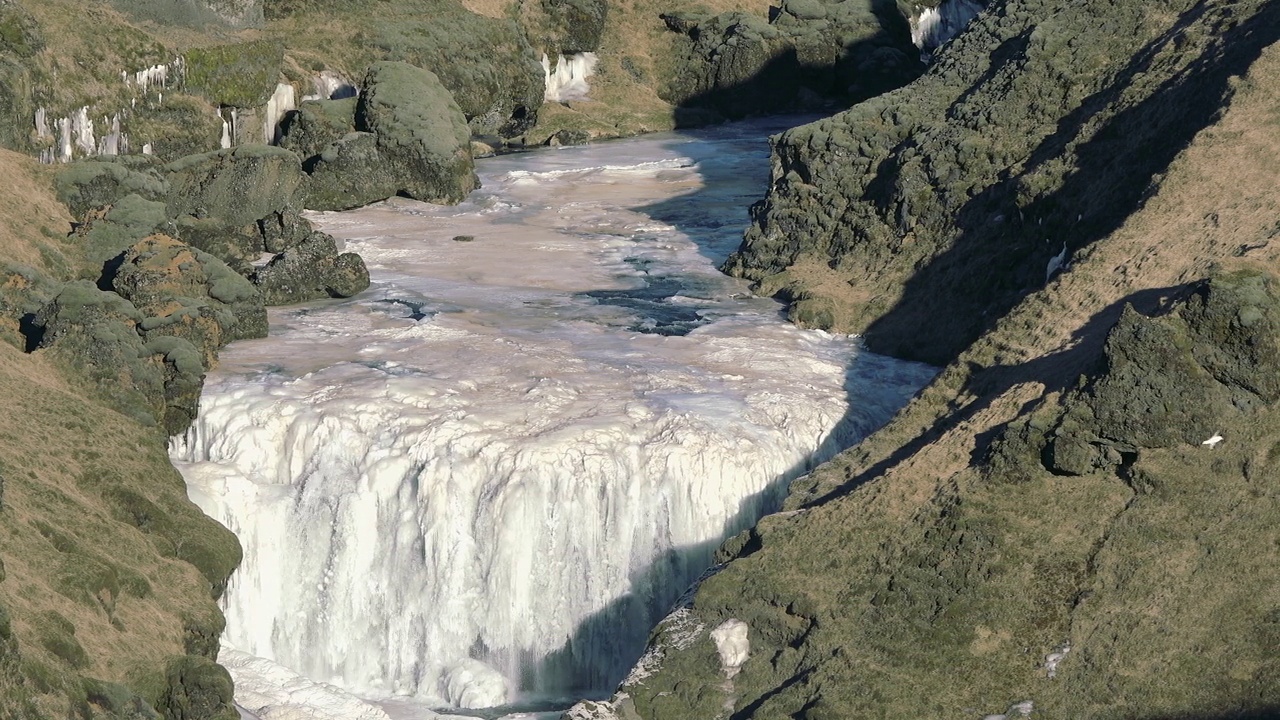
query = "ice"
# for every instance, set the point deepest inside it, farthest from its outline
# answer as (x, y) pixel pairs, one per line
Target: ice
(282, 101)
(568, 80)
(730, 638)
(491, 474)
(268, 691)
(933, 27)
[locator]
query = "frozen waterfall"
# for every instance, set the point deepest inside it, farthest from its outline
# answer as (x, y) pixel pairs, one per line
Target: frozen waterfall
(933, 27)
(489, 475)
(567, 81)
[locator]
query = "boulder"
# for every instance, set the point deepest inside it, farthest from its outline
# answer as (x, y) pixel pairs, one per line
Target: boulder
(316, 125)
(234, 203)
(236, 186)
(486, 63)
(91, 184)
(106, 232)
(413, 141)
(310, 271)
(182, 125)
(187, 293)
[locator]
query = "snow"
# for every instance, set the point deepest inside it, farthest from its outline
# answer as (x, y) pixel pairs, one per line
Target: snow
(492, 473)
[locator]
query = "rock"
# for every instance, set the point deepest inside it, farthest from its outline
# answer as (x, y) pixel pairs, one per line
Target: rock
(156, 381)
(16, 103)
(878, 196)
(316, 125)
(813, 52)
(182, 125)
(96, 332)
(575, 26)
(187, 293)
(413, 141)
(486, 63)
(237, 186)
(311, 271)
(91, 184)
(196, 688)
(105, 233)
(242, 75)
(20, 34)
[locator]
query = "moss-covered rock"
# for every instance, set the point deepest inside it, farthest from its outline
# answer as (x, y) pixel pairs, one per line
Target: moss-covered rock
(186, 293)
(413, 141)
(241, 75)
(237, 186)
(575, 26)
(316, 125)
(810, 54)
(95, 332)
(106, 233)
(181, 125)
(486, 63)
(19, 32)
(920, 215)
(196, 689)
(17, 107)
(91, 184)
(312, 270)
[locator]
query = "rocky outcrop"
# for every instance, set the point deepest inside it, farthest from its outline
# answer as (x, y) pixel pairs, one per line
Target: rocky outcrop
(312, 270)
(411, 139)
(918, 217)
(810, 54)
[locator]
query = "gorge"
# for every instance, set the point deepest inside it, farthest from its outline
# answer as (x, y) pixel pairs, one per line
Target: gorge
(482, 422)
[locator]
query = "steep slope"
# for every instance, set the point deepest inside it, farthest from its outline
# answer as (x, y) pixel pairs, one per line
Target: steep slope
(1040, 128)
(1041, 528)
(108, 574)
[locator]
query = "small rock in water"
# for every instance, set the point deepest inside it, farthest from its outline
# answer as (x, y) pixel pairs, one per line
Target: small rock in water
(463, 238)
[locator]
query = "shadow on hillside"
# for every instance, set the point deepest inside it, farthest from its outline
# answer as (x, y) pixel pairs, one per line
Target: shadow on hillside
(1002, 253)
(785, 83)
(1057, 371)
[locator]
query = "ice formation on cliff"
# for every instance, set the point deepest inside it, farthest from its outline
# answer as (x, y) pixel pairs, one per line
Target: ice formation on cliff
(568, 80)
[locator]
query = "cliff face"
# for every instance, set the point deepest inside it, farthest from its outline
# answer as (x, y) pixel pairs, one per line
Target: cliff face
(1042, 127)
(1040, 530)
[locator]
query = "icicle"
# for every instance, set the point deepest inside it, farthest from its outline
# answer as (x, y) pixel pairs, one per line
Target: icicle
(281, 102)
(42, 124)
(225, 142)
(63, 126)
(569, 79)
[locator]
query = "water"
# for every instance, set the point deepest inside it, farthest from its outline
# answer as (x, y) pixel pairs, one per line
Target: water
(483, 480)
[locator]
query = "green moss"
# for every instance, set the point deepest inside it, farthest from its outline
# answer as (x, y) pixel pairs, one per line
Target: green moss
(182, 125)
(242, 75)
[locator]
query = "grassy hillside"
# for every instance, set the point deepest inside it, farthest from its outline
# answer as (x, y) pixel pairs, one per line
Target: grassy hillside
(109, 580)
